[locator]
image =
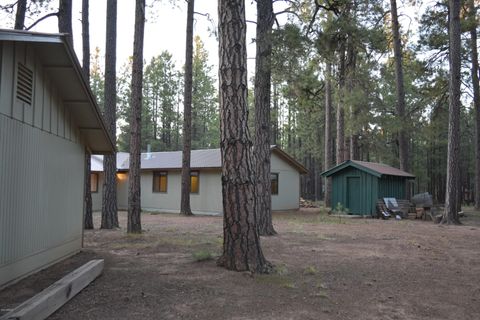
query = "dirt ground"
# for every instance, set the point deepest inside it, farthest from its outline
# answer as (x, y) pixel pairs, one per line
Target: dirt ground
(326, 268)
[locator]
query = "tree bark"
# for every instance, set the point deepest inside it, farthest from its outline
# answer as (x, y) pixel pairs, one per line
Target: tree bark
(328, 133)
(400, 90)
(65, 19)
(274, 125)
(88, 217)
(340, 112)
(20, 15)
(86, 40)
(350, 70)
(450, 216)
(134, 205)
(476, 99)
(187, 115)
(241, 242)
(262, 92)
(88, 221)
(109, 196)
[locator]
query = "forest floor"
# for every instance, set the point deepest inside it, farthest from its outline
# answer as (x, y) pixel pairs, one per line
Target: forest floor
(326, 268)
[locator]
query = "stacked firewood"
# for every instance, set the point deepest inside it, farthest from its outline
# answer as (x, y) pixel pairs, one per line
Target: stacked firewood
(307, 204)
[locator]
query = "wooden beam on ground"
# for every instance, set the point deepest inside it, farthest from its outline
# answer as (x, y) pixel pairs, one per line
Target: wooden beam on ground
(49, 300)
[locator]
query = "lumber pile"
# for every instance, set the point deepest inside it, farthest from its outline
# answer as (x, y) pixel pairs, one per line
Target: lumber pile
(307, 204)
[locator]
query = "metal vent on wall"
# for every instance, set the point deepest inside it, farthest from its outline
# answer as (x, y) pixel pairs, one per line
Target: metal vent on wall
(24, 84)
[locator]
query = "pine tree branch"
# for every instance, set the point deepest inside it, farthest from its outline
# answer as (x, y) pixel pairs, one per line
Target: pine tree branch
(41, 19)
(331, 6)
(8, 6)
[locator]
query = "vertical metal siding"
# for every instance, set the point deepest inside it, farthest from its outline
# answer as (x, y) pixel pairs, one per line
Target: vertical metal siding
(41, 176)
(18, 57)
(391, 186)
(367, 193)
(7, 84)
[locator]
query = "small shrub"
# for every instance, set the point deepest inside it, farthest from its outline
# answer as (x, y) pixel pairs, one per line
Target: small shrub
(340, 209)
(202, 256)
(310, 270)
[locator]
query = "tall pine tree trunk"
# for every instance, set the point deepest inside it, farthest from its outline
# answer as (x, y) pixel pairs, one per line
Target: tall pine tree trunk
(134, 205)
(187, 115)
(452, 205)
(65, 19)
(109, 196)
(476, 99)
(20, 15)
(350, 69)
(274, 119)
(241, 242)
(340, 113)
(88, 218)
(86, 40)
(400, 107)
(328, 133)
(263, 75)
(88, 215)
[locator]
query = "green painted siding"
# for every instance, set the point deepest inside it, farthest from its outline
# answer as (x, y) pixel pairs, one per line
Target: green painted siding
(364, 199)
(359, 191)
(391, 186)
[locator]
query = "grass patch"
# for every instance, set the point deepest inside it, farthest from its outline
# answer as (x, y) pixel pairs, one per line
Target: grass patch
(321, 217)
(321, 294)
(280, 277)
(281, 270)
(310, 271)
(202, 255)
(325, 237)
(276, 280)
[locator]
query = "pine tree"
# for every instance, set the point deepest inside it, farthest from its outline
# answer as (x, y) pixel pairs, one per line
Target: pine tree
(187, 115)
(65, 19)
(328, 132)
(452, 205)
(134, 205)
(400, 109)
(476, 97)
(205, 119)
(109, 196)
(241, 242)
(20, 15)
(88, 218)
(263, 74)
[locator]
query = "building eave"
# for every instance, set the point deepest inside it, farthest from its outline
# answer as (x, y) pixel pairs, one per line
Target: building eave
(61, 64)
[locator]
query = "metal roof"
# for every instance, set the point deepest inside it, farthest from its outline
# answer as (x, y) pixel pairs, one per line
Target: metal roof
(376, 169)
(172, 160)
(60, 63)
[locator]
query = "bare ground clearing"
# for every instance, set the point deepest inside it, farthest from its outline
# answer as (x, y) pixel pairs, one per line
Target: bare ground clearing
(327, 268)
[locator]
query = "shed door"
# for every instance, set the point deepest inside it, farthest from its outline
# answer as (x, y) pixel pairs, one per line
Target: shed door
(353, 195)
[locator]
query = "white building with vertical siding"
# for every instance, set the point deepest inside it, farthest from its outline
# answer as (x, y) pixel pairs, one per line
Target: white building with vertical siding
(48, 120)
(161, 181)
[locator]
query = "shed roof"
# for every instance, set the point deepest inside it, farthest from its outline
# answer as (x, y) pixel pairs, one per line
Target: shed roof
(171, 160)
(373, 168)
(59, 61)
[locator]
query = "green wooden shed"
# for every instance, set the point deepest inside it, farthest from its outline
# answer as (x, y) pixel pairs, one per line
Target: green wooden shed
(357, 185)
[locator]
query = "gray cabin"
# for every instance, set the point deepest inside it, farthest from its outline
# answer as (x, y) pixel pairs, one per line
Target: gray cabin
(160, 181)
(48, 120)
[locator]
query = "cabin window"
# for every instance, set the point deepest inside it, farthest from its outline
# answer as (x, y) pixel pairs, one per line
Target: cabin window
(94, 182)
(274, 183)
(194, 181)
(24, 84)
(160, 181)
